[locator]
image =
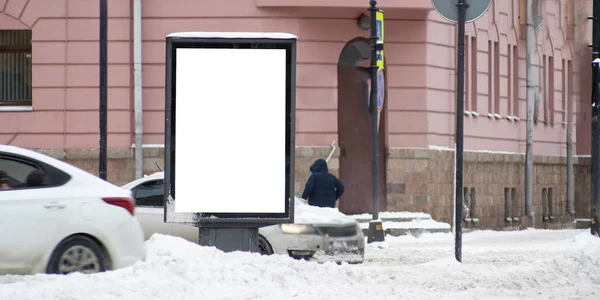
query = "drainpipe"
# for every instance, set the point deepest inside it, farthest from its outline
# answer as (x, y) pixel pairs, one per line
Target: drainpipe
(570, 206)
(530, 107)
(137, 89)
(570, 193)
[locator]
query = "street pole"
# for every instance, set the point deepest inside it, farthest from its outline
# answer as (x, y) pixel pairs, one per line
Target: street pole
(375, 233)
(594, 228)
(530, 103)
(374, 135)
(460, 111)
(102, 156)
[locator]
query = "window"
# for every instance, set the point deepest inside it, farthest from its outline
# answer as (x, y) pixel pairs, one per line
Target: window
(496, 78)
(14, 173)
(547, 205)
(515, 81)
(512, 80)
(511, 204)
(17, 172)
(550, 92)
(467, 91)
(471, 74)
(474, 74)
(509, 82)
(490, 80)
(493, 79)
(569, 92)
(565, 91)
(541, 102)
(15, 67)
(150, 193)
(469, 205)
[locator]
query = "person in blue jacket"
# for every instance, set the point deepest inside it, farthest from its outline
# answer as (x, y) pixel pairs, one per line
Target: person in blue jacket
(322, 188)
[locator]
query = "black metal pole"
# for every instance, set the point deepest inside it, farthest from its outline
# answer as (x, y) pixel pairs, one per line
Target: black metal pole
(102, 155)
(374, 131)
(595, 201)
(375, 233)
(595, 205)
(460, 107)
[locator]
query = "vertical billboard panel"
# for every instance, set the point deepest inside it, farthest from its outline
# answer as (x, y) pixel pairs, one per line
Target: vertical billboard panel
(230, 134)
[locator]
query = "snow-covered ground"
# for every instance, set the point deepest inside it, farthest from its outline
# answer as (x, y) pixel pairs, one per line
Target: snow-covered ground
(531, 264)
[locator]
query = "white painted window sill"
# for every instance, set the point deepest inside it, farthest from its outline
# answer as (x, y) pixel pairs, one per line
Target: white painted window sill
(16, 108)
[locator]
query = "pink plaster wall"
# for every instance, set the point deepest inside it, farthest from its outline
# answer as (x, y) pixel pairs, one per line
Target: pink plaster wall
(65, 74)
(420, 61)
(501, 24)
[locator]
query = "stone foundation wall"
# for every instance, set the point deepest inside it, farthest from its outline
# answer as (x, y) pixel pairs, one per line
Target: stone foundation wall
(120, 163)
(421, 180)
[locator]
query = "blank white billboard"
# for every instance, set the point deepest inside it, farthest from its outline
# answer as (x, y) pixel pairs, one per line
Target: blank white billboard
(230, 130)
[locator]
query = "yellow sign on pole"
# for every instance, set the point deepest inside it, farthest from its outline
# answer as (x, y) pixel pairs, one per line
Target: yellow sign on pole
(380, 31)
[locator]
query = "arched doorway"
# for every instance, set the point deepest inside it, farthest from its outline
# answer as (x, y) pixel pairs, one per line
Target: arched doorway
(354, 131)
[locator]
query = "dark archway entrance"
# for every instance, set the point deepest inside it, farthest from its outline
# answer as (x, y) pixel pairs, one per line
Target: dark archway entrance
(354, 131)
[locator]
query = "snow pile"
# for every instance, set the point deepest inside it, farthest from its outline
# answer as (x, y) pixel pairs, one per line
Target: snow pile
(532, 264)
(306, 214)
(529, 264)
(177, 269)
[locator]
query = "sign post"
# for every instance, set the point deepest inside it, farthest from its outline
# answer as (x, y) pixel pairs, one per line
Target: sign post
(375, 233)
(460, 12)
(103, 105)
(595, 203)
(223, 90)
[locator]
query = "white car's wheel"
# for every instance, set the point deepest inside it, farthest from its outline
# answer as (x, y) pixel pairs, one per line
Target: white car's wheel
(78, 254)
(264, 247)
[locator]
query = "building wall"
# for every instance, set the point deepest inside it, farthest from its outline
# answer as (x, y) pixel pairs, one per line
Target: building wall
(499, 86)
(420, 71)
(65, 79)
(420, 64)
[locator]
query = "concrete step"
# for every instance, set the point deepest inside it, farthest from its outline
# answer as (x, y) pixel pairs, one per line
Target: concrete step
(582, 223)
(412, 231)
(404, 223)
(393, 217)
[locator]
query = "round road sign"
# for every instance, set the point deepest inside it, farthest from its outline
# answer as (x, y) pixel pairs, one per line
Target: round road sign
(449, 11)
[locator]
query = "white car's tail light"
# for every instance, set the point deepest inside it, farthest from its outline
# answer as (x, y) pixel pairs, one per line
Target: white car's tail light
(125, 202)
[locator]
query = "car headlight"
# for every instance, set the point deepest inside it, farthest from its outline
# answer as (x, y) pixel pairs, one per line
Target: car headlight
(298, 229)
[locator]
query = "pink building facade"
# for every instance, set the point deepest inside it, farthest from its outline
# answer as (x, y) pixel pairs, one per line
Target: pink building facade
(49, 59)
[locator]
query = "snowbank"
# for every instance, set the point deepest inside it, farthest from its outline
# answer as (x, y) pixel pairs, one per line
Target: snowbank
(532, 264)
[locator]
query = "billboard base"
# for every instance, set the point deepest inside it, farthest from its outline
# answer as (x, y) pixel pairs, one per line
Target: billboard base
(229, 239)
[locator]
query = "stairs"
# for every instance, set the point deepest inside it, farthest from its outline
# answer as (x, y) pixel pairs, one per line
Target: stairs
(403, 223)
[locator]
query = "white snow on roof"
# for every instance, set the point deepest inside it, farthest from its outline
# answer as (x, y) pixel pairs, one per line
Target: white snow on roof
(306, 214)
(231, 35)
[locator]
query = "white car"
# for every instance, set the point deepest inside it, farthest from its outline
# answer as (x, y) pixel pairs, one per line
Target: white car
(56, 218)
(321, 234)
